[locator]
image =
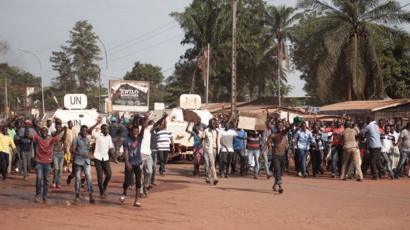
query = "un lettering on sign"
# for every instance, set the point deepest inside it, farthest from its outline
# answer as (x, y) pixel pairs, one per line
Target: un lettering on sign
(75, 101)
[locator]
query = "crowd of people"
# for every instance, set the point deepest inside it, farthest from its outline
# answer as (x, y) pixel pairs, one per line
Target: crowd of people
(54, 148)
(345, 148)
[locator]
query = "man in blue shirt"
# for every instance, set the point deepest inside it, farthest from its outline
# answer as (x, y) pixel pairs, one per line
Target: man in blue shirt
(132, 155)
(80, 149)
(303, 139)
(374, 145)
(239, 144)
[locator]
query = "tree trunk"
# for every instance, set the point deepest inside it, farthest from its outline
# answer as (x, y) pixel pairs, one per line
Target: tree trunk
(193, 82)
(352, 81)
(279, 69)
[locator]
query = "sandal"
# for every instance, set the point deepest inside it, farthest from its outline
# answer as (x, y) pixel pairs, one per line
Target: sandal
(137, 204)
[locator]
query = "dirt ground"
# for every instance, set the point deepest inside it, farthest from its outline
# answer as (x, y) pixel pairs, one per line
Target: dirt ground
(180, 201)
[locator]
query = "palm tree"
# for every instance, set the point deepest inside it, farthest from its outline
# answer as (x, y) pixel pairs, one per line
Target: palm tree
(279, 21)
(352, 32)
(204, 22)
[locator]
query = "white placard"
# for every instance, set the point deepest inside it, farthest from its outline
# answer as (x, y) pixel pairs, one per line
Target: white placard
(159, 106)
(190, 101)
(248, 123)
(75, 101)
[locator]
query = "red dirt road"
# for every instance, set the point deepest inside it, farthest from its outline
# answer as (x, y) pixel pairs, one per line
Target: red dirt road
(180, 201)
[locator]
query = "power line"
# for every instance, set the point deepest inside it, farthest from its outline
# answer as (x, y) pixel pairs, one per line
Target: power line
(146, 48)
(141, 36)
(167, 69)
(142, 40)
(121, 44)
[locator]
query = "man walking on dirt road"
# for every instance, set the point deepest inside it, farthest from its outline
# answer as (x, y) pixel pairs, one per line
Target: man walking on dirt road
(210, 137)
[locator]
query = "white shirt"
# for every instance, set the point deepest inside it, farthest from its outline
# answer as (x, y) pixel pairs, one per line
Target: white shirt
(52, 129)
(387, 142)
(164, 138)
(396, 136)
(146, 141)
(210, 139)
(102, 145)
(227, 137)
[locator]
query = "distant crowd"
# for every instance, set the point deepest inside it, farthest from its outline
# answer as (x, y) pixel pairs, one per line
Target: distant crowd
(345, 148)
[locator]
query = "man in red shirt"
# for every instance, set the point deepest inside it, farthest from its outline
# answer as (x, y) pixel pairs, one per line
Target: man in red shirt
(43, 159)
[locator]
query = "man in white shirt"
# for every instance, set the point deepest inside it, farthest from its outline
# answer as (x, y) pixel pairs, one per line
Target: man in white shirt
(210, 137)
(146, 157)
(103, 145)
(227, 136)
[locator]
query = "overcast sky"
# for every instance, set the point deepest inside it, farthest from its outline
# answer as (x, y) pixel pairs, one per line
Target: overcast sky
(132, 30)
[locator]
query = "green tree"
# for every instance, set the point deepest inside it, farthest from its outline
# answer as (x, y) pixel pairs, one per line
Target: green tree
(395, 64)
(210, 22)
(279, 21)
(76, 64)
(62, 64)
(84, 51)
(204, 22)
(151, 73)
(17, 81)
(179, 82)
(348, 35)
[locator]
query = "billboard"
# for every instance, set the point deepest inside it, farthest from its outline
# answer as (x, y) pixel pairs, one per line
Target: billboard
(29, 92)
(130, 96)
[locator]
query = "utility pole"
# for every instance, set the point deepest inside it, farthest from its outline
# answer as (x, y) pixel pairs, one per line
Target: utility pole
(6, 101)
(42, 85)
(99, 88)
(207, 74)
(99, 73)
(279, 69)
(233, 83)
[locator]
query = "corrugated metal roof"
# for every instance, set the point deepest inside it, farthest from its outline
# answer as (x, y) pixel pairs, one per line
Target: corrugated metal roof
(248, 107)
(373, 105)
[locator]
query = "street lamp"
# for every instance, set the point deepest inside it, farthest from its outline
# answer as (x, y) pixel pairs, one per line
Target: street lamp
(99, 73)
(42, 87)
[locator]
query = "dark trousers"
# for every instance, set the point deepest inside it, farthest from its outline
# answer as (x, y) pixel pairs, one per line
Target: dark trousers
(302, 158)
(4, 158)
(235, 156)
(26, 162)
(286, 158)
(103, 167)
(224, 162)
(296, 160)
(243, 162)
(366, 162)
(154, 155)
(316, 156)
(402, 162)
(279, 162)
(337, 159)
(135, 171)
(375, 162)
(163, 158)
